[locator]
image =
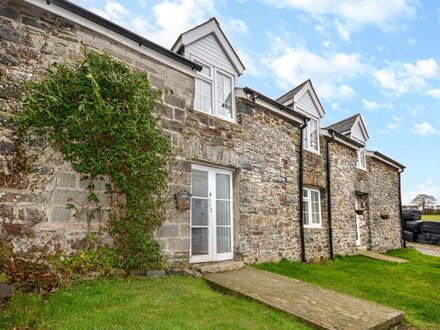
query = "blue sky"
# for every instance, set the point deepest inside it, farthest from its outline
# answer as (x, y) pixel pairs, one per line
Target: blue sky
(377, 57)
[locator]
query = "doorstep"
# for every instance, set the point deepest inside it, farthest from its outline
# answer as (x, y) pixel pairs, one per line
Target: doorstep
(218, 266)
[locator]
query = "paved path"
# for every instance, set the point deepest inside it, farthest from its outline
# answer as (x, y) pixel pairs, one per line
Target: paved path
(432, 250)
(380, 256)
(319, 307)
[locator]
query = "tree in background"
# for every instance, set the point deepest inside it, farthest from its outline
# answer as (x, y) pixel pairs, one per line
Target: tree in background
(423, 200)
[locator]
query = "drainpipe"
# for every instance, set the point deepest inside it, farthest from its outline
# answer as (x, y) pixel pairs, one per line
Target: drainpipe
(301, 190)
(402, 224)
(329, 196)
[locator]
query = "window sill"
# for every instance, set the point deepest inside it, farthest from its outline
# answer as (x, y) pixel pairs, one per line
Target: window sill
(361, 168)
(313, 227)
(210, 115)
(313, 151)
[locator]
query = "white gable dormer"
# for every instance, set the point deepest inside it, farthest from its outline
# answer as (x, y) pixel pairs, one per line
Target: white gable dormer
(358, 131)
(208, 46)
(303, 99)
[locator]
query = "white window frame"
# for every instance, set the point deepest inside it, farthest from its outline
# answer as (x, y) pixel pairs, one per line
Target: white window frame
(361, 152)
(307, 136)
(308, 199)
(213, 81)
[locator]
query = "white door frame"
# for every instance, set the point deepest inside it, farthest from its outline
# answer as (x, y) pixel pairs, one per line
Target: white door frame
(212, 225)
(358, 225)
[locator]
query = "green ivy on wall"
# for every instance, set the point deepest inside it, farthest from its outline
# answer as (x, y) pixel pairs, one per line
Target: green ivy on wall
(102, 115)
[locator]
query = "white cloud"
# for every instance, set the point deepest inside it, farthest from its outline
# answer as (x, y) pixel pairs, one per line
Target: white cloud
(113, 11)
(349, 16)
(236, 25)
(373, 105)
(434, 93)
(168, 18)
(412, 41)
(400, 78)
(395, 124)
(423, 129)
(429, 187)
(329, 73)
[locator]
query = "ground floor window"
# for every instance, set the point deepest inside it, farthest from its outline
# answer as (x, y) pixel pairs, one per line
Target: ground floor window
(312, 207)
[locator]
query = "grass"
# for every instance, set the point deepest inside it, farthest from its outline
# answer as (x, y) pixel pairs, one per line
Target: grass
(413, 287)
(139, 303)
(431, 217)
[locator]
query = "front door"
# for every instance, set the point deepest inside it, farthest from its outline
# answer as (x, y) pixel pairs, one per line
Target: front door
(211, 214)
(358, 223)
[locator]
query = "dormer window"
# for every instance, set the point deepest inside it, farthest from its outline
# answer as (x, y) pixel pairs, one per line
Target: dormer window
(311, 136)
(361, 160)
(216, 101)
(208, 46)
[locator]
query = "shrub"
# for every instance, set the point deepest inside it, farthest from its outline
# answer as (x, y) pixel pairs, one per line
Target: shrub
(102, 115)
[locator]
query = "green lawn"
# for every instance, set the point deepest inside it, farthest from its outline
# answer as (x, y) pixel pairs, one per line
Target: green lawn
(413, 287)
(139, 303)
(431, 217)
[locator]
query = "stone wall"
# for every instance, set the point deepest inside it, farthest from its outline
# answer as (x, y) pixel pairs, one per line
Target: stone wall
(31, 41)
(386, 233)
(262, 149)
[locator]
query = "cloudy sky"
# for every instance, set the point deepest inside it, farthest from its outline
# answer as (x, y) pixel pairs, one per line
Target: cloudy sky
(377, 57)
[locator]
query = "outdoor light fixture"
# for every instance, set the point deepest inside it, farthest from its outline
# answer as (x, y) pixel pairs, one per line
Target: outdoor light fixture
(183, 198)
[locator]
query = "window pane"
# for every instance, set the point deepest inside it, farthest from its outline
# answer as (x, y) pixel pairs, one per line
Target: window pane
(306, 193)
(199, 212)
(223, 214)
(206, 70)
(224, 95)
(199, 183)
(306, 213)
(197, 85)
(199, 241)
(206, 105)
(314, 134)
(222, 182)
(206, 89)
(223, 239)
(198, 102)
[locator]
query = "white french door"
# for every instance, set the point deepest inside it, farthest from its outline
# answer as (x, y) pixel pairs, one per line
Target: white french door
(211, 214)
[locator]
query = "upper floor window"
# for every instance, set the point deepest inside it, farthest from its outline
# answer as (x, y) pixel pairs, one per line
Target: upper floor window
(361, 160)
(311, 135)
(214, 92)
(312, 207)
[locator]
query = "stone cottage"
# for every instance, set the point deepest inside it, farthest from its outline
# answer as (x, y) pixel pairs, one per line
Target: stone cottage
(266, 181)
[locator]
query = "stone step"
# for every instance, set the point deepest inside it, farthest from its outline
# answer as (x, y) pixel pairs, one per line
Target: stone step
(382, 257)
(313, 305)
(218, 267)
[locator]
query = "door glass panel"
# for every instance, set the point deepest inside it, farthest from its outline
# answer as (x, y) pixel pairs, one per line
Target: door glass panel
(223, 213)
(199, 212)
(223, 239)
(199, 183)
(199, 241)
(222, 186)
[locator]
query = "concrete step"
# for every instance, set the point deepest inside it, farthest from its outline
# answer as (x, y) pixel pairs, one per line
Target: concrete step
(313, 305)
(218, 267)
(382, 257)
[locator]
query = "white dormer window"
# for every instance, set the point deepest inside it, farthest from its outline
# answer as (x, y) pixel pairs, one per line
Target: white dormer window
(216, 101)
(311, 136)
(361, 160)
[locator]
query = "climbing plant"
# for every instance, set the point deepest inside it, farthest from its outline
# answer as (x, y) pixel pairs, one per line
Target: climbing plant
(102, 115)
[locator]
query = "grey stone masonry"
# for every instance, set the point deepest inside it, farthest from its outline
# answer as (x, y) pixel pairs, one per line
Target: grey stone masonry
(261, 147)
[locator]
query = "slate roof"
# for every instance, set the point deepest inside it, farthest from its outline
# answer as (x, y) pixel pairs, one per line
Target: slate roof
(344, 125)
(291, 93)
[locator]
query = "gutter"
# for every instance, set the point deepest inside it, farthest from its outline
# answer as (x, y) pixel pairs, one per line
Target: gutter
(301, 191)
(329, 196)
(402, 224)
(300, 117)
(90, 16)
